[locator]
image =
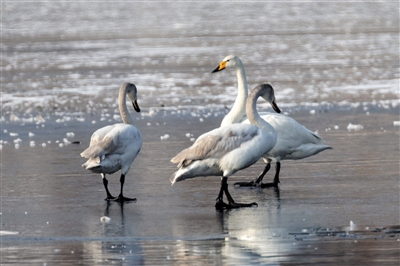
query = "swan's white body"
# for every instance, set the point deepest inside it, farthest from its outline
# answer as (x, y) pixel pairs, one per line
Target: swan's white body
(294, 141)
(225, 150)
(115, 147)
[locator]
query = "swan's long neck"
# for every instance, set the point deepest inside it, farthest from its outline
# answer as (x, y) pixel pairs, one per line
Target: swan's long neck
(239, 107)
(252, 114)
(123, 110)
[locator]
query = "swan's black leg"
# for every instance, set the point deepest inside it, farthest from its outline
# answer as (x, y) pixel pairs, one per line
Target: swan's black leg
(276, 178)
(121, 197)
(257, 182)
(220, 202)
(231, 203)
(105, 183)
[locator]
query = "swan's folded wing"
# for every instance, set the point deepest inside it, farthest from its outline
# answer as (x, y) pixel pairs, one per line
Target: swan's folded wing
(198, 151)
(213, 145)
(105, 146)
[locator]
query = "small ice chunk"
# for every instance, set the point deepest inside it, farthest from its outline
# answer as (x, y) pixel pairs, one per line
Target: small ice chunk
(13, 134)
(39, 119)
(354, 127)
(43, 145)
(105, 219)
(201, 119)
(14, 118)
(312, 112)
(336, 127)
(16, 146)
(18, 140)
(166, 136)
(94, 122)
(152, 112)
(70, 134)
(192, 139)
(3, 233)
(149, 124)
(30, 134)
(32, 143)
(61, 145)
(396, 123)
(352, 225)
(188, 135)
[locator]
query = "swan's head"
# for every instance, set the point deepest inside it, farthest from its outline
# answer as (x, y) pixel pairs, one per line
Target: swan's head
(228, 62)
(267, 92)
(131, 91)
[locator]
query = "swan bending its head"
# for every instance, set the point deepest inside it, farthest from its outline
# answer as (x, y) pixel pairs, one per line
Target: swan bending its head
(224, 151)
(115, 147)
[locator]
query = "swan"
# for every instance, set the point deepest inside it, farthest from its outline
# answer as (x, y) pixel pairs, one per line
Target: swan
(294, 141)
(226, 150)
(115, 147)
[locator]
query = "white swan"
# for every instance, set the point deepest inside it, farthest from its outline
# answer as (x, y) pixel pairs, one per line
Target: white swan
(294, 140)
(113, 148)
(225, 150)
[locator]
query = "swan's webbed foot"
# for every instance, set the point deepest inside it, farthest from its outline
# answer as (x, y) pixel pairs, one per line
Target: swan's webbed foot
(109, 198)
(269, 184)
(220, 205)
(246, 184)
(256, 184)
(121, 198)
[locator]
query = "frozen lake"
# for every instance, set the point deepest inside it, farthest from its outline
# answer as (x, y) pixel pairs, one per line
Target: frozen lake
(330, 64)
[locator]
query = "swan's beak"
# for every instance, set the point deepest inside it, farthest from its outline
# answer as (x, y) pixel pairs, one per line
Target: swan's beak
(220, 67)
(136, 106)
(275, 106)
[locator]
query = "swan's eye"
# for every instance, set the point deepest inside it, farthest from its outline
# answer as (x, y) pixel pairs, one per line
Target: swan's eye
(227, 60)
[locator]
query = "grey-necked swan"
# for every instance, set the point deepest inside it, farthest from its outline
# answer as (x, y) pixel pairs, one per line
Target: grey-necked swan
(225, 150)
(115, 147)
(294, 141)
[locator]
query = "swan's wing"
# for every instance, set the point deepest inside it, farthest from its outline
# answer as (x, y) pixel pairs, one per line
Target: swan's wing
(99, 134)
(216, 144)
(101, 147)
(291, 130)
(118, 140)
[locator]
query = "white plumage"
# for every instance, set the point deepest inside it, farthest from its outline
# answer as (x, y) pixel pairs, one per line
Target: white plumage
(224, 151)
(115, 147)
(294, 141)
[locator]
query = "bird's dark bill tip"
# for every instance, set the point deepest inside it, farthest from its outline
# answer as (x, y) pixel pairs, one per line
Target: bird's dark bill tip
(216, 70)
(136, 106)
(275, 107)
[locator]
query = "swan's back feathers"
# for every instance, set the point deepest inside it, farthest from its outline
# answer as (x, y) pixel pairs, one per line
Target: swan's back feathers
(115, 139)
(216, 144)
(199, 150)
(99, 148)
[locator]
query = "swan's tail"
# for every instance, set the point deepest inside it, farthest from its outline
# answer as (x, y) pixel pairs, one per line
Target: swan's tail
(93, 165)
(177, 176)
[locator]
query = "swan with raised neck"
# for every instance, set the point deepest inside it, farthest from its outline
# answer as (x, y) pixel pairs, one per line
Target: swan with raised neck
(238, 110)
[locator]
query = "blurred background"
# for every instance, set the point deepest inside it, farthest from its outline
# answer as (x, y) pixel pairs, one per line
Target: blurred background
(334, 67)
(66, 56)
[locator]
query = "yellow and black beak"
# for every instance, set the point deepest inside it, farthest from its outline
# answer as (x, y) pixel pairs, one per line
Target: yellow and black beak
(275, 106)
(136, 106)
(220, 67)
